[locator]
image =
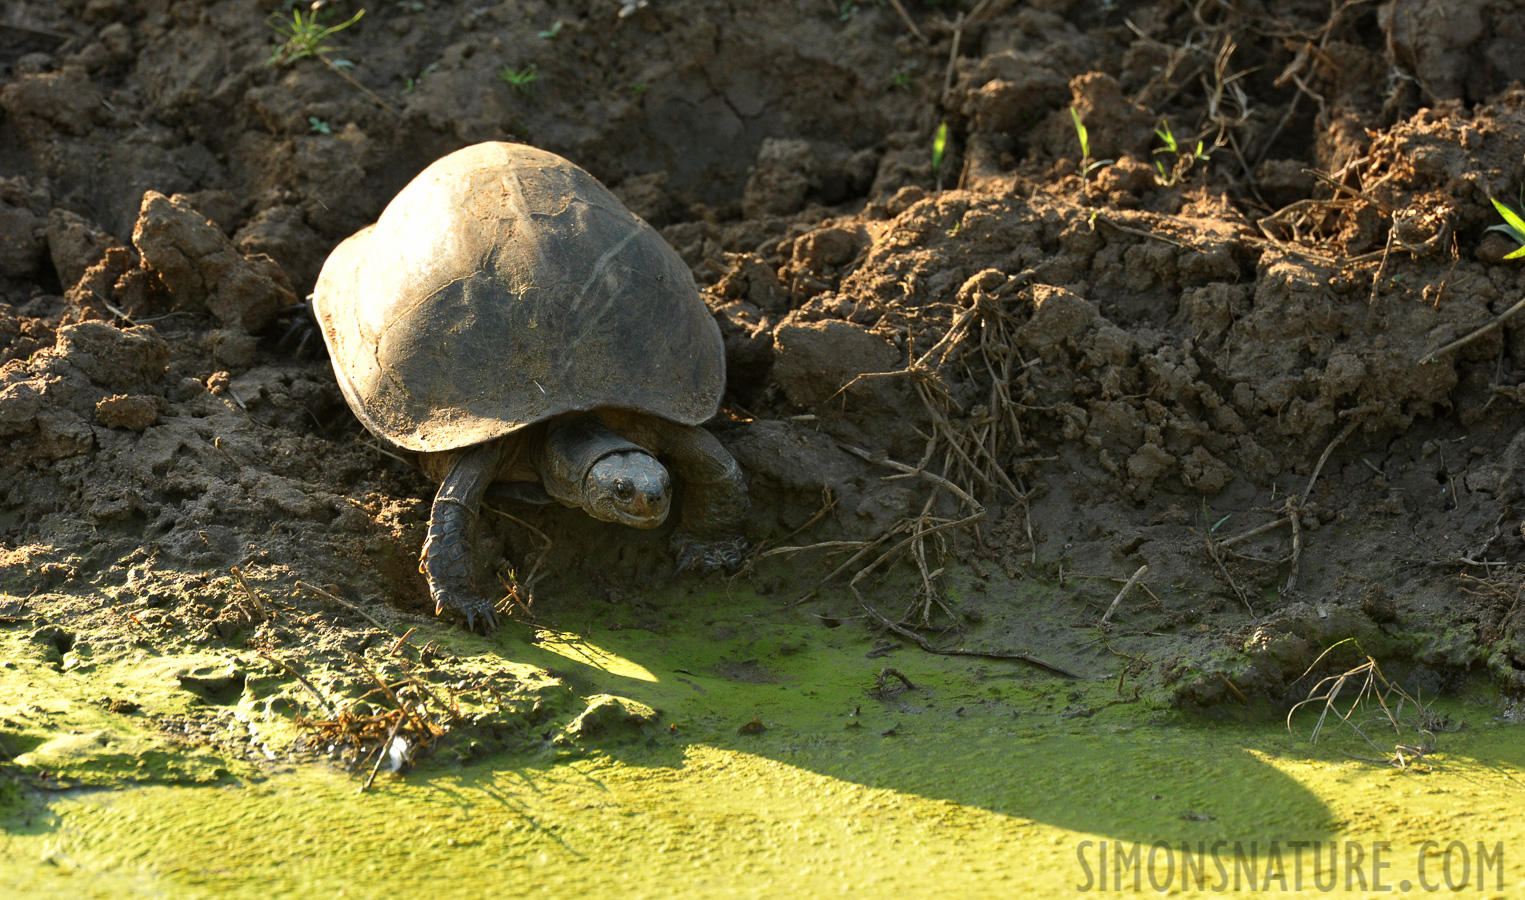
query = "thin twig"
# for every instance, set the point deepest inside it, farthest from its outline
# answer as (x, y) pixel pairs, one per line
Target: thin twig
(958, 34)
(912, 470)
(291, 670)
(1230, 685)
(1118, 600)
(387, 691)
(1253, 532)
(382, 754)
(1294, 515)
(821, 545)
(926, 645)
(360, 87)
(40, 32)
(344, 603)
(906, 18)
(1140, 232)
(1462, 342)
(1324, 457)
(1294, 505)
(1341, 187)
(888, 672)
(1212, 552)
(259, 605)
(528, 583)
(827, 505)
(451, 709)
(917, 536)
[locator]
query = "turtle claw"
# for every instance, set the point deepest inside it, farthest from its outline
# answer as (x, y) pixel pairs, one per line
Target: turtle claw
(471, 606)
(708, 554)
(446, 564)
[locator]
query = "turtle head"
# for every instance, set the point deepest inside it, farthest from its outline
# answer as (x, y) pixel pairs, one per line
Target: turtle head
(630, 487)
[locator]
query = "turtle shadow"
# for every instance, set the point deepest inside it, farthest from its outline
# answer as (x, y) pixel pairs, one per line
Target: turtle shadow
(759, 682)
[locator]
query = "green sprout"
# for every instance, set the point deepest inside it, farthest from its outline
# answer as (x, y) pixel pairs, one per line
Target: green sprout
(550, 33)
(304, 36)
(846, 10)
(318, 126)
(1219, 524)
(637, 88)
(939, 148)
(304, 39)
(1514, 226)
(409, 85)
(1080, 130)
(1164, 134)
(1184, 159)
(1088, 166)
(902, 78)
(518, 79)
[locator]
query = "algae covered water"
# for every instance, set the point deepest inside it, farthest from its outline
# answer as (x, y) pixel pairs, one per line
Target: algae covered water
(776, 758)
(973, 813)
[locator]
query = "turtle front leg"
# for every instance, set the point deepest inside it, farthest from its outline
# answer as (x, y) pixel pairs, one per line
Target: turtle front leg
(446, 559)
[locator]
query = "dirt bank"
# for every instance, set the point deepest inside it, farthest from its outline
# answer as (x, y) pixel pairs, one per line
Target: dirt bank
(982, 370)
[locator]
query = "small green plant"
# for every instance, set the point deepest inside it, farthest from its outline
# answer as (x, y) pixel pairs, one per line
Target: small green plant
(903, 78)
(519, 79)
(846, 10)
(1212, 529)
(1514, 225)
(304, 39)
(550, 33)
(1088, 166)
(304, 36)
(409, 85)
(318, 126)
(1184, 159)
(939, 149)
(637, 88)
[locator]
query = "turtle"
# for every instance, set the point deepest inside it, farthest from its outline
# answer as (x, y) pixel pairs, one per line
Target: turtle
(511, 325)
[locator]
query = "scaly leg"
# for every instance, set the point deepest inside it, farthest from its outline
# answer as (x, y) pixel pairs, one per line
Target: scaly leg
(446, 560)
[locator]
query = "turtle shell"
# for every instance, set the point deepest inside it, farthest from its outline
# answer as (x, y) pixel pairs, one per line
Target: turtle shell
(504, 286)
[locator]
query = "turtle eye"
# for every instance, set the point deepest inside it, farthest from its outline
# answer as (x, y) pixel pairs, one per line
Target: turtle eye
(622, 490)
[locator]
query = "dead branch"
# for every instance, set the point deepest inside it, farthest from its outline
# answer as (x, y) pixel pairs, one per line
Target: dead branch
(344, 603)
(1486, 329)
(1118, 600)
(926, 645)
(909, 24)
(292, 671)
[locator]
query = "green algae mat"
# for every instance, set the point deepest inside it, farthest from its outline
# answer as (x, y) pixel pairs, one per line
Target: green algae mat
(758, 751)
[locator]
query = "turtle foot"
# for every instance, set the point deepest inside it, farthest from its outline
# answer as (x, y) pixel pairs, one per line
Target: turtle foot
(471, 606)
(445, 564)
(708, 554)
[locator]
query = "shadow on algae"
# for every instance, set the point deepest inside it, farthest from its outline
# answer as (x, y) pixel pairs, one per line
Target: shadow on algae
(987, 777)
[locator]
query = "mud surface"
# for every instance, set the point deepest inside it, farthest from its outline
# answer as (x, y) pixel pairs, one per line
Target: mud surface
(978, 376)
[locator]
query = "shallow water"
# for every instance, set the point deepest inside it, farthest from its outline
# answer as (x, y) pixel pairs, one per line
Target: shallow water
(987, 779)
(981, 811)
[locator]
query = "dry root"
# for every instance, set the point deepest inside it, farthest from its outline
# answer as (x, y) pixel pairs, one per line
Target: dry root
(1378, 702)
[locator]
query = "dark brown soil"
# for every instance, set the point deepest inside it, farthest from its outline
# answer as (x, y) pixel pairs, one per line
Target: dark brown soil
(1079, 369)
